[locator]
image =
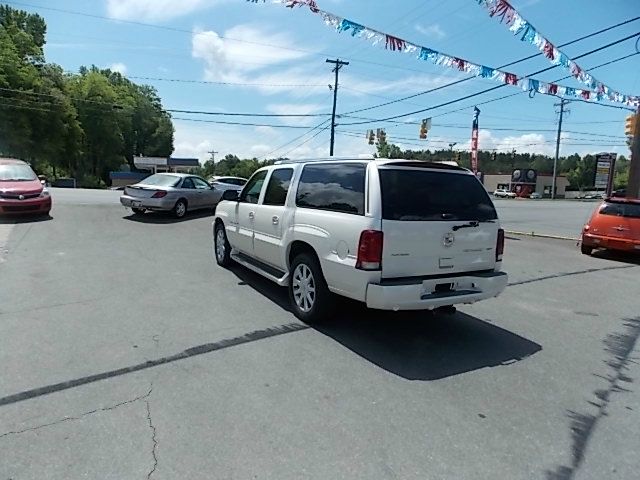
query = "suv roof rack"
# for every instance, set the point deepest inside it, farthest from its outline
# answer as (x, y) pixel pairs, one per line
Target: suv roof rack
(352, 158)
(425, 164)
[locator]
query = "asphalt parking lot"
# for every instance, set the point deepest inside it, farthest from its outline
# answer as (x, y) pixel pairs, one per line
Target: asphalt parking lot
(127, 353)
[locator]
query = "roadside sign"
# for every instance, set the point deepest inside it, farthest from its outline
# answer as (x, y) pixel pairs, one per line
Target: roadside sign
(605, 163)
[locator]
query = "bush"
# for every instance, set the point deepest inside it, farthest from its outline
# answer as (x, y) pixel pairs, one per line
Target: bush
(90, 181)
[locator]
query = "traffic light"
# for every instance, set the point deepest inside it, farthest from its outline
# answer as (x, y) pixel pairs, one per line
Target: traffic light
(630, 125)
(424, 128)
(371, 137)
(458, 156)
(494, 156)
(382, 136)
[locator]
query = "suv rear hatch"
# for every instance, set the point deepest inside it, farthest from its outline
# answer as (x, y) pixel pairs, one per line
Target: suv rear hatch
(435, 222)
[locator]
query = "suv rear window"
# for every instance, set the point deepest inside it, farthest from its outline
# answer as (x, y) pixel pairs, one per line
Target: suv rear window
(337, 187)
(417, 195)
(620, 209)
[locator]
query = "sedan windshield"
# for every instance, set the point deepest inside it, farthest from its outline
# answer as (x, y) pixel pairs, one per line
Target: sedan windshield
(16, 172)
(158, 180)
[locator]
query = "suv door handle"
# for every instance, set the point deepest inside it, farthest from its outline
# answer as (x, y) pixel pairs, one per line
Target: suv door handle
(275, 220)
(252, 215)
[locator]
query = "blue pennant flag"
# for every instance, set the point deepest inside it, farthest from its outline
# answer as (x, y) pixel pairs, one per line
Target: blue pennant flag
(529, 34)
(486, 72)
(349, 25)
(428, 54)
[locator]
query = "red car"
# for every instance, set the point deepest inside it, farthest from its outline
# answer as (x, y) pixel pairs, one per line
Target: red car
(615, 225)
(20, 189)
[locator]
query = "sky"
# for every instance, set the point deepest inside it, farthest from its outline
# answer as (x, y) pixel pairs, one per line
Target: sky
(235, 56)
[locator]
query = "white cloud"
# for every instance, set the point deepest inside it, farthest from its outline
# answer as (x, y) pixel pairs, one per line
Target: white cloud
(154, 10)
(433, 31)
(118, 67)
(240, 50)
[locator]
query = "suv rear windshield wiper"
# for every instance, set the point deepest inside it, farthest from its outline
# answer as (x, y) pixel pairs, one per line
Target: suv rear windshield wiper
(471, 224)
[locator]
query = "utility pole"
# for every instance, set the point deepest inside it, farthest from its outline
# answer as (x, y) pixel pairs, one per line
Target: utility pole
(633, 185)
(213, 155)
(338, 65)
(451, 145)
(562, 103)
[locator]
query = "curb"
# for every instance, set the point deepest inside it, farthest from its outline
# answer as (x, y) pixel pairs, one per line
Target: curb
(541, 235)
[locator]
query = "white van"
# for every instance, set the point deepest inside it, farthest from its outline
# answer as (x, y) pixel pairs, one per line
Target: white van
(394, 234)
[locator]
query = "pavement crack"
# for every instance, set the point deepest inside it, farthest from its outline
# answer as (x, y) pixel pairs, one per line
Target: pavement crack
(81, 416)
(569, 274)
(153, 439)
(619, 346)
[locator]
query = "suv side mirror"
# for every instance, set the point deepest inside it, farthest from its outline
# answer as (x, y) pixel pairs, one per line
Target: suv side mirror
(231, 195)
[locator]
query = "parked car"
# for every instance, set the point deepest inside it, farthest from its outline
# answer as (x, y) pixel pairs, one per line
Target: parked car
(21, 191)
(227, 183)
(535, 196)
(615, 225)
(170, 192)
(502, 193)
(622, 193)
(393, 234)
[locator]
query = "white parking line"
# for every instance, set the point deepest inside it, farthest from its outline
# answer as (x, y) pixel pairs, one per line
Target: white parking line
(5, 230)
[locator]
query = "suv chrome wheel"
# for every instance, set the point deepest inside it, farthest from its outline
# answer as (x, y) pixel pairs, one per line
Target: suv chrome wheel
(220, 245)
(304, 288)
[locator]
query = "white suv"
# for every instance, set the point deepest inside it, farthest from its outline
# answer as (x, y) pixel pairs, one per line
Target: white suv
(394, 234)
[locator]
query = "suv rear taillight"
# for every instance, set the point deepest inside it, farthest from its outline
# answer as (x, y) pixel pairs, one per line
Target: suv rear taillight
(500, 245)
(159, 194)
(370, 250)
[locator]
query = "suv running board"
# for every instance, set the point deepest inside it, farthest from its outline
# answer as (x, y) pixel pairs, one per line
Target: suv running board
(273, 274)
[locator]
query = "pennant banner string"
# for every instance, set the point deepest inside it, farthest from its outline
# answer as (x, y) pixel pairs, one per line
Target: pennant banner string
(342, 25)
(503, 11)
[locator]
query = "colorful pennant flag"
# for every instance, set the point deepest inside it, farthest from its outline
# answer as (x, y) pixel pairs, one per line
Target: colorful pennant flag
(498, 8)
(505, 13)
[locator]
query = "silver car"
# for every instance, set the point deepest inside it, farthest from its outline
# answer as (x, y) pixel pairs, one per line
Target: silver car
(228, 183)
(171, 192)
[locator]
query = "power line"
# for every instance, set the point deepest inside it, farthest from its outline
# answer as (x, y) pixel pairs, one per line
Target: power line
(507, 65)
(236, 114)
(245, 124)
(295, 139)
(304, 142)
(234, 84)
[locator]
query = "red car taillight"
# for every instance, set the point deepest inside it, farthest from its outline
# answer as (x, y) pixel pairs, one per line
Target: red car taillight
(500, 245)
(159, 194)
(370, 250)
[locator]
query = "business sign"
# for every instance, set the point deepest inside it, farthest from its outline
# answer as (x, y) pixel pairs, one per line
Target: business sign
(605, 163)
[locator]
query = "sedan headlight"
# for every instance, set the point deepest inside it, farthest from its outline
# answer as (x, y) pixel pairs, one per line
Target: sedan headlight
(44, 193)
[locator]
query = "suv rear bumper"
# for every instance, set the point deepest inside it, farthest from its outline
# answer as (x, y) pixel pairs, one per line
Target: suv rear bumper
(422, 294)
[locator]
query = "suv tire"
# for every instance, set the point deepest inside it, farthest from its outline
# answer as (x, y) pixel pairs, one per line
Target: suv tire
(221, 247)
(310, 297)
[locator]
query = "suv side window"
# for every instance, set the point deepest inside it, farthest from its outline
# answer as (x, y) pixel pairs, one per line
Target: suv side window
(251, 192)
(278, 187)
(338, 187)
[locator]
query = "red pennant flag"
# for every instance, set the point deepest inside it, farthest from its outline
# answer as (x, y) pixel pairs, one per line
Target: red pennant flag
(394, 43)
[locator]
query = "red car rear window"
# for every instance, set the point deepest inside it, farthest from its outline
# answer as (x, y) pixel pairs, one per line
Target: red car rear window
(620, 209)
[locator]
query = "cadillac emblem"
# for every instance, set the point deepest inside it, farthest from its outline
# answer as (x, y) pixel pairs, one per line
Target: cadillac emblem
(20, 197)
(448, 239)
